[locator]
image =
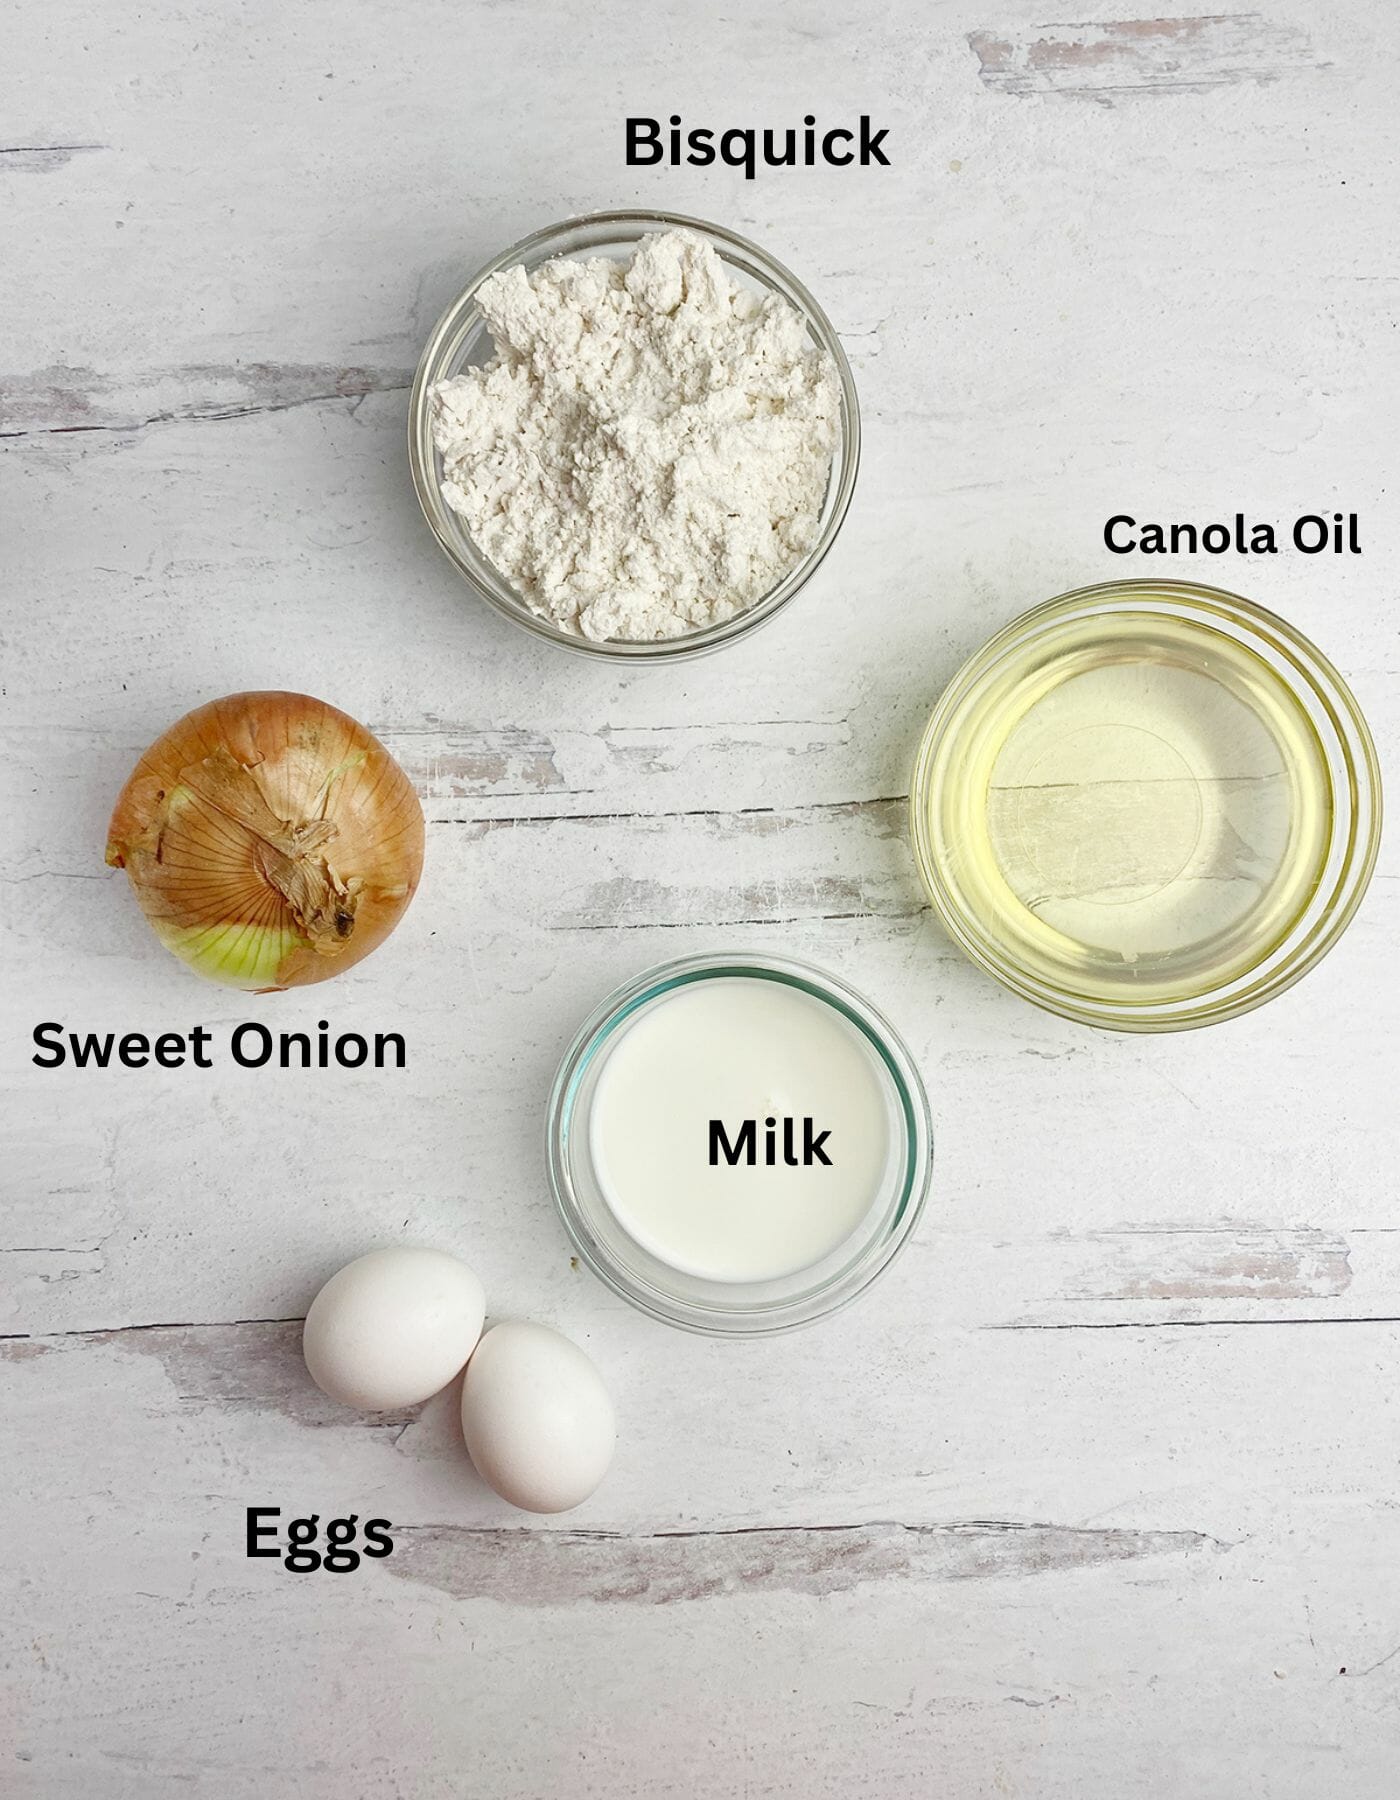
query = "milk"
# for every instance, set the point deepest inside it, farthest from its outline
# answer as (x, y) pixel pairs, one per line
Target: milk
(741, 1129)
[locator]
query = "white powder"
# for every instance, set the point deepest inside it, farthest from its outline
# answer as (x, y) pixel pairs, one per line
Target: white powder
(648, 450)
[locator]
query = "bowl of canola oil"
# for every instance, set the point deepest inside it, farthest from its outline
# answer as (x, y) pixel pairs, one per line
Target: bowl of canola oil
(1147, 806)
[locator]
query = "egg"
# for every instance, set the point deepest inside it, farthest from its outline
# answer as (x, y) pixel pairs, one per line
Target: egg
(392, 1327)
(538, 1422)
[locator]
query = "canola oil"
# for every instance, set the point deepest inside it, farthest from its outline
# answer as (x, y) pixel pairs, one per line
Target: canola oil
(1133, 807)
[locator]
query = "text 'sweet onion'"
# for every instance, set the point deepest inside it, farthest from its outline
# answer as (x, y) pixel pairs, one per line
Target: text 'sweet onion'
(271, 840)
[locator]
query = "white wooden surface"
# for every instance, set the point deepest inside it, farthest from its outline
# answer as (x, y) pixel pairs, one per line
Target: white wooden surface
(1094, 1497)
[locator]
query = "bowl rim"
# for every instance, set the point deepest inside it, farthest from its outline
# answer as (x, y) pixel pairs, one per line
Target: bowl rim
(487, 582)
(680, 1306)
(1319, 688)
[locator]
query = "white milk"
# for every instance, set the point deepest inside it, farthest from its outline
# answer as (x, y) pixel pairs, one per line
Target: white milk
(736, 1049)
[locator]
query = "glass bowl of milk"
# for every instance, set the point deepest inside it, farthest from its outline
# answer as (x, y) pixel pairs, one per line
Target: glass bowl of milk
(738, 1144)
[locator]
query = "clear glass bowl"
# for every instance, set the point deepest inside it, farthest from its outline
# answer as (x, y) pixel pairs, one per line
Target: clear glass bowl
(1147, 806)
(461, 339)
(734, 1309)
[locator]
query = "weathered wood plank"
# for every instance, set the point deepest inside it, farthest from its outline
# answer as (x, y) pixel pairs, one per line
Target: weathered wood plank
(63, 401)
(1132, 56)
(1123, 1191)
(1226, 1432)
(1202, 1538)
(564, 1568)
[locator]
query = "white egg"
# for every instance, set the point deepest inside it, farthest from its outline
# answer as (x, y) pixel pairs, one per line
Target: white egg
(393, 1327)
(537, 1419)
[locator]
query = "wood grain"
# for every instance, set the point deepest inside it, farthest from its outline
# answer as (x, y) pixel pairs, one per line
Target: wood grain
(1103, 62)
(39, 159)
(561, 1568)
(64, 400)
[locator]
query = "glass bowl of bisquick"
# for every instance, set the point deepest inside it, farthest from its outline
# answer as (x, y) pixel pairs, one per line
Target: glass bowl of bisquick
(635, 435)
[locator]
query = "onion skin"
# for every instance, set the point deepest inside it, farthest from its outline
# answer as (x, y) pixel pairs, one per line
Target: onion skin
(271, 841)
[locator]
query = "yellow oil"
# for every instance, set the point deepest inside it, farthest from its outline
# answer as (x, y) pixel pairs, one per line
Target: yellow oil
(1136, 810)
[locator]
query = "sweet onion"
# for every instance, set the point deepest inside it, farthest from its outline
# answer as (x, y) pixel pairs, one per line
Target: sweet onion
(271, 841)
